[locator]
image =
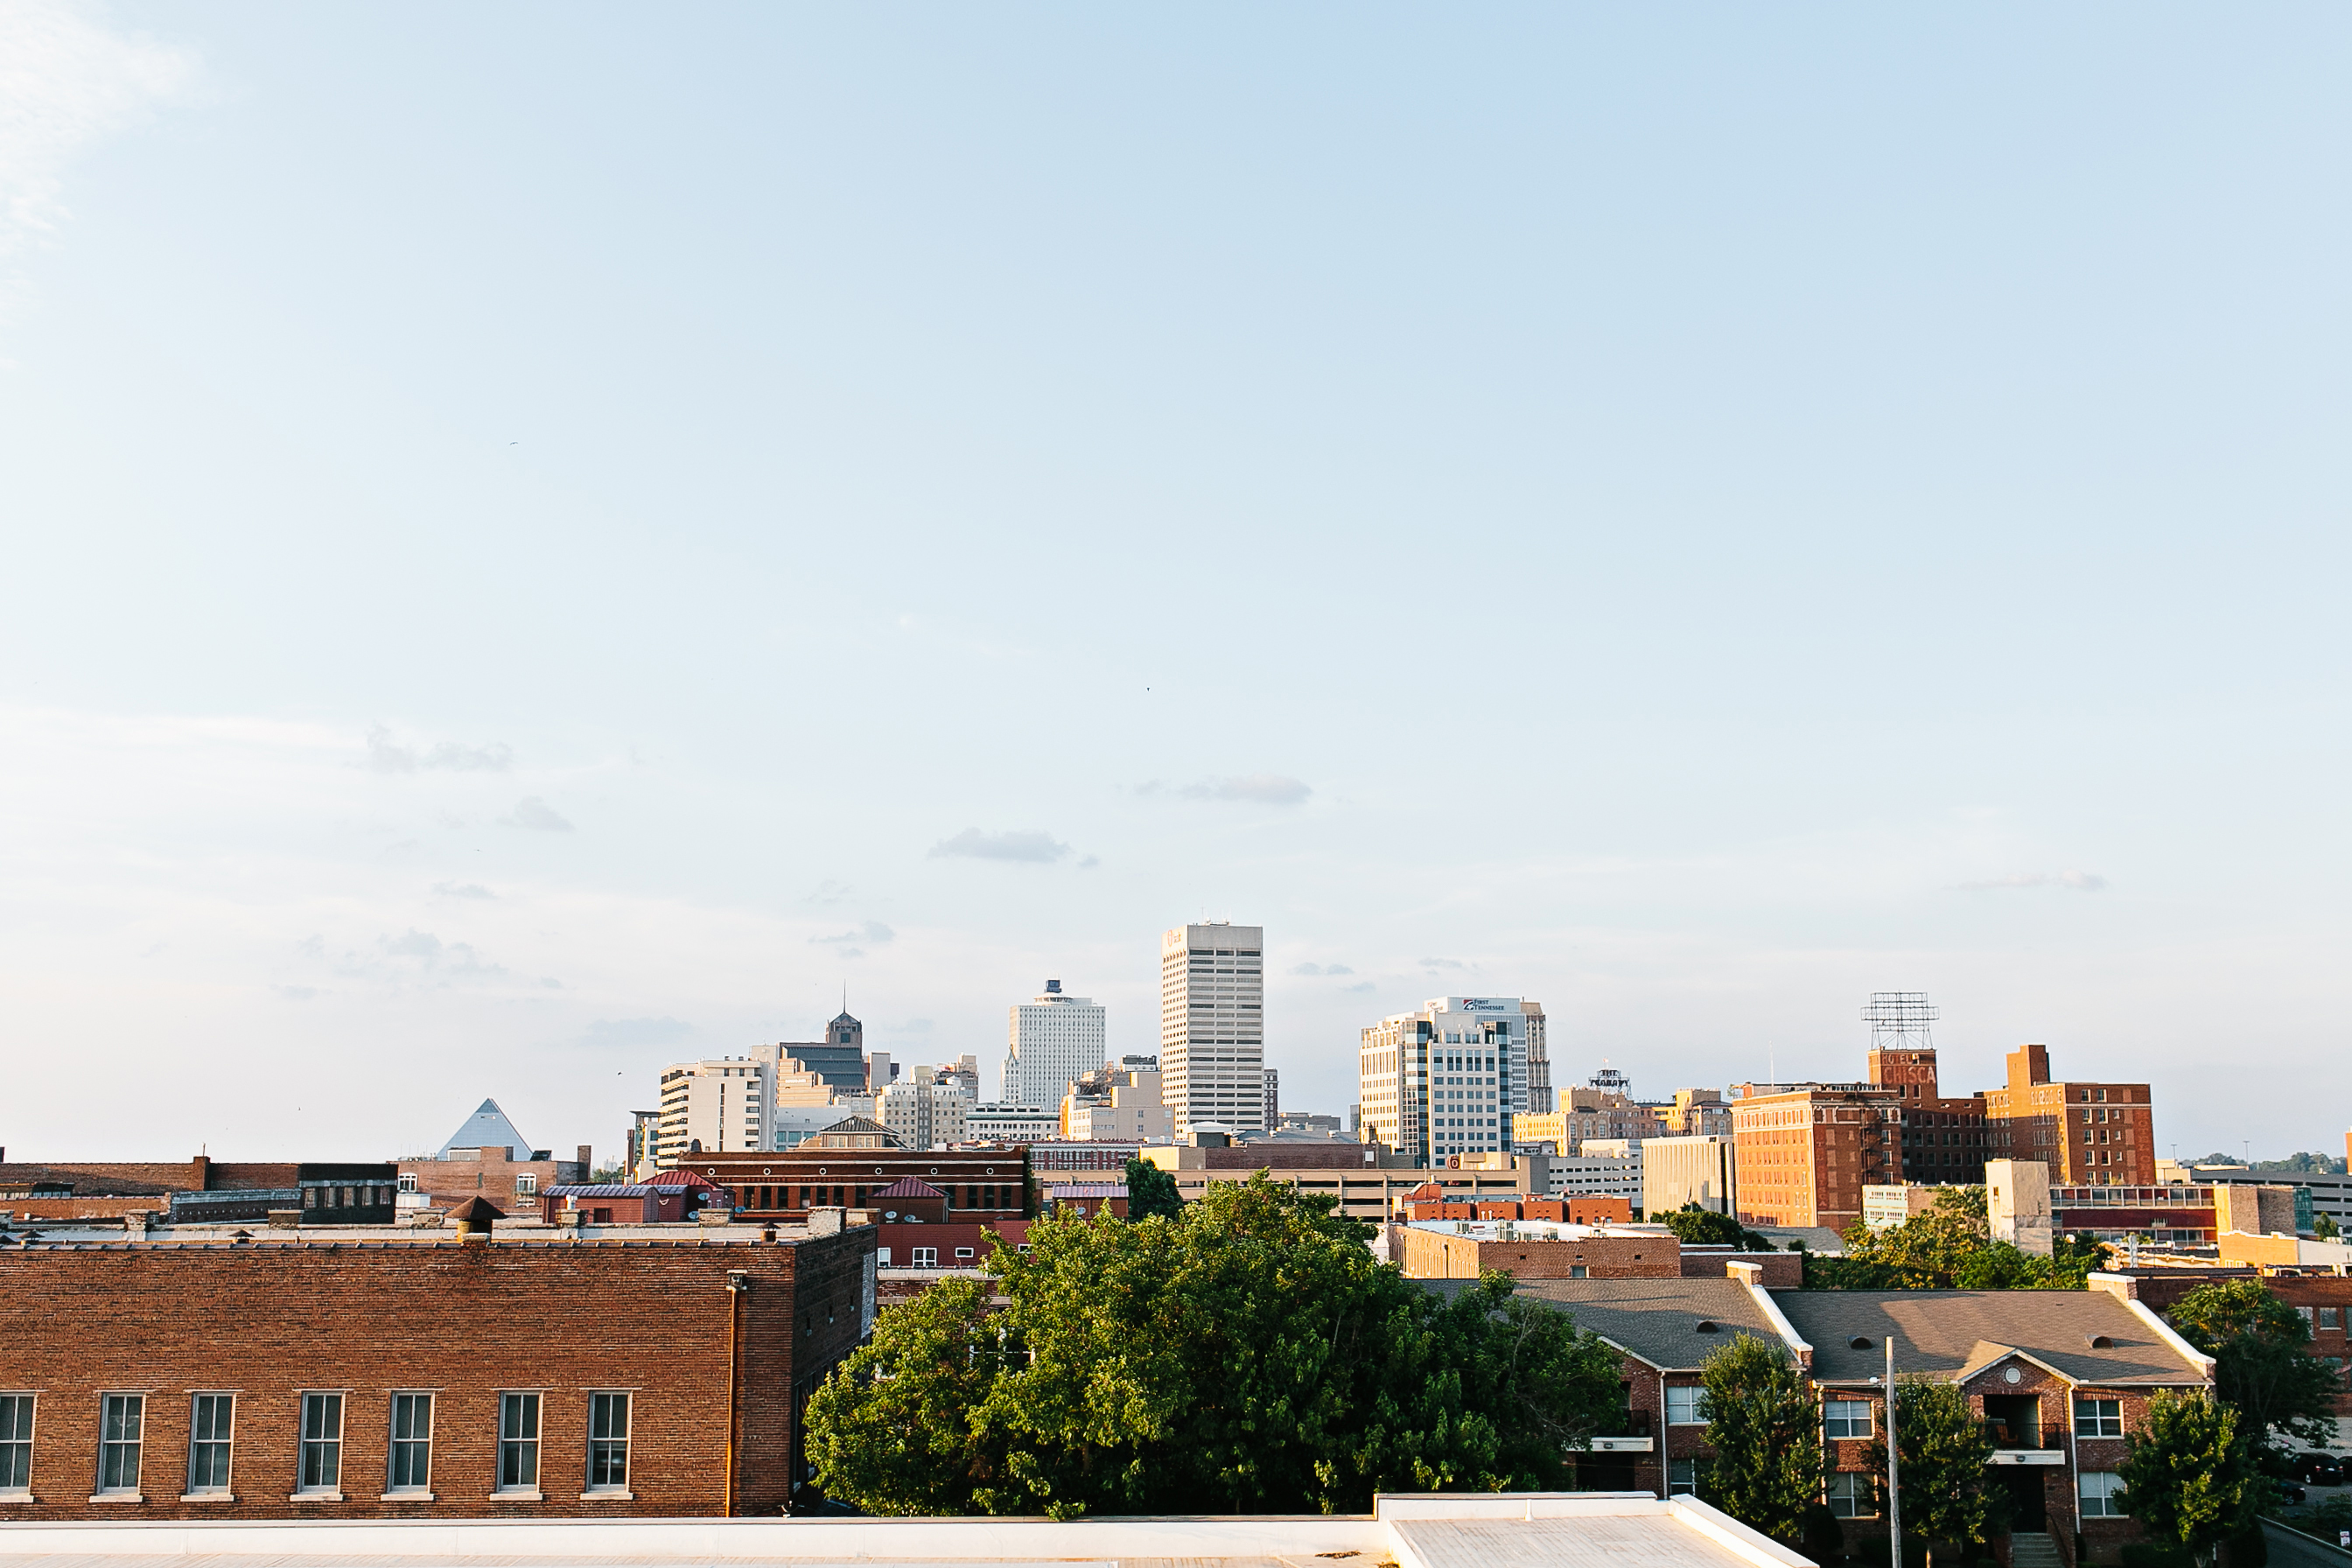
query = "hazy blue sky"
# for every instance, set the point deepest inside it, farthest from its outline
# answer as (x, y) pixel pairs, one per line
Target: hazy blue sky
(539, 538)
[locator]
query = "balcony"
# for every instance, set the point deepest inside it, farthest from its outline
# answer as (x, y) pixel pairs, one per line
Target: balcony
(1628, 1433)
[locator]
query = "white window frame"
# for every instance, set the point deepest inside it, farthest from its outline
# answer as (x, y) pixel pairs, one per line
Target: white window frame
(1868, 1415)
(2102, 1500)
(413, 1444)
(115, 1446)
(20, 1440)
(924, 1257)
(1682, 1478)
(1848, 1495)
(520, 1445)
(225, 1444)
(527, 1185)
(2103, 1414)
(1682, 1402)
(599, 1402)
(324, 1446)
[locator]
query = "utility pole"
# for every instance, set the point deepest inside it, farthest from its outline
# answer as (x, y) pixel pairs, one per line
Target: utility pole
(1893, 1494)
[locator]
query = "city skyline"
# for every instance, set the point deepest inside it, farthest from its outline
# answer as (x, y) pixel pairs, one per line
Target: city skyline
(538, 548)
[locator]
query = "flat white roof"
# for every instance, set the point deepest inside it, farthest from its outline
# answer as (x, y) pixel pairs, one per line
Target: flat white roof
(1532, 1529)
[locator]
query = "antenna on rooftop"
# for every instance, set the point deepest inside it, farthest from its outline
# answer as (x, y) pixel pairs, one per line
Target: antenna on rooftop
(1898, 1021)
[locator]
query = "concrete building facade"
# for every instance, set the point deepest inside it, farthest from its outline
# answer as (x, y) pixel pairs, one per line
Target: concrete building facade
(1676, 1171)
(1448, 1080)
(923, 1113)
(1052, 1038)
(720, 1104)
(1212, 1025)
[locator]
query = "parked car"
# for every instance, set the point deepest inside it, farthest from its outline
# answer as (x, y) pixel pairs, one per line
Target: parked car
(2316, 1469)
(2292, 1494)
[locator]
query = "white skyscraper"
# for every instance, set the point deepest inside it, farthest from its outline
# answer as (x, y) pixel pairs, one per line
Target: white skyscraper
(1213, 1025)
(1447, 1080)
(1055, 1038)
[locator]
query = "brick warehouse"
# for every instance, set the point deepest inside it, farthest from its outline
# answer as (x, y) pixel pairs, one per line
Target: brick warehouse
(982, 1186)
(254, 1380)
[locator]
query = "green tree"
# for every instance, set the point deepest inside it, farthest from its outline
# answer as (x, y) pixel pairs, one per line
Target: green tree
(1765, 1431)
(1150, 1191)
(1946, 1247)
(2190, 1473)
(1944, 1449)
(2263, 1364)
(2325, 1229)
(891, 1427)
(1248, 1355)
(1704, 1228)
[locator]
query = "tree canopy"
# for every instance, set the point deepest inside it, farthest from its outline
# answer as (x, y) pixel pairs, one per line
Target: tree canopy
(1150, 1190)
(2263, 1364)
(1246, 1356)
(1943, 1449)
(1766, 1432)
(2190, 1474)
(1696, 1226)
(1948, 1247)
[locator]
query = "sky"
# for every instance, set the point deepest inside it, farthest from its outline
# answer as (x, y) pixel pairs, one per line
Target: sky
(545, 540)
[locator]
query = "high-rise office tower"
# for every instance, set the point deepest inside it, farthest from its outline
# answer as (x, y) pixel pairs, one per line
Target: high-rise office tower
(1055, 1037)
(1449, 1078)
(1213, 1025)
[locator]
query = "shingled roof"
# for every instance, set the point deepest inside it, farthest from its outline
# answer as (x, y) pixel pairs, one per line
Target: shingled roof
(1659, 1320)
(2086, 1336)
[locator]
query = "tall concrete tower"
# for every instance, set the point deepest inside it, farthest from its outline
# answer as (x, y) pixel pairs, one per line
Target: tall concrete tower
(1213, 1025)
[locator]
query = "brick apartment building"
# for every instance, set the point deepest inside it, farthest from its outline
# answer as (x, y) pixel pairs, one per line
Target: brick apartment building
(2059, 1377)
(1944, 1139)
(1803, 1152)
(2089, 1134)
(2324, 1299)
(1435, 1250)
(980, 1186)
(417, 1378)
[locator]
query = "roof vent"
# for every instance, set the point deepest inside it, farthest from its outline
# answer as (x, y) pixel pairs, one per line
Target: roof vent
(2102, 1342)
(1859, 1343)
(1706, 1326)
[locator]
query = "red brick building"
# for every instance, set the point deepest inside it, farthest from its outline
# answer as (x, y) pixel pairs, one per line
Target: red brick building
(412, 1377)
(2089, 1134)
(982, 1186)
(1426, 1252)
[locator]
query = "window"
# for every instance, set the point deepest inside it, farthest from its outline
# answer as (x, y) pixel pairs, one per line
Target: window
(407, 1181)
(1579, 1272)
(1849, 1493)
(411, 1469)
(1845, 1418)
(518, 1442)
(121, 1417)
(2331, 1316)
(527, 1186)
(212, 1424)
(15, 1442)
(608, 1442)
(1683, 1405)
(322, 1445)
(2098, 1418)
(925, 1256)
(1682, 1478)
(2101, 1493)
(882, 1257)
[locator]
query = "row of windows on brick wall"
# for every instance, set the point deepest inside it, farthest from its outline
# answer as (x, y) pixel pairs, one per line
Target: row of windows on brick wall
(318, 1445)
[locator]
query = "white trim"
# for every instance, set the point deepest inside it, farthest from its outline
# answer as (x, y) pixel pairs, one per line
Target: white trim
(1756, 1547)
(330, 1495)
(1786, 1330)
(2186, 1351)
(220, 1495)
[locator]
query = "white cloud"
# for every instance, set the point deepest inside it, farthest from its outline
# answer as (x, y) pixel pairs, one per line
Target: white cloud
(1261, 789)
(975, 844)
(462, 891)
(1321, 969)
(872, 931)
(388, 755)
(534, 813)
(67, 80)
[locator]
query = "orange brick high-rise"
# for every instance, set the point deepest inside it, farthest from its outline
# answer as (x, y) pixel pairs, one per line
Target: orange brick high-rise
(2089, 1134)
(1803, 1152)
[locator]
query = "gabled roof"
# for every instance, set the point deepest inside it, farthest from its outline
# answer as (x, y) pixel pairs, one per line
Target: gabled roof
(477, 1211)
(2083, 1336)
(488, 1128)
(910, 1187)
(1656, 1321)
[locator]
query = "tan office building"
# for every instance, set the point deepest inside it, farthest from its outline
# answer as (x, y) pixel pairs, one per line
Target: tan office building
(1213, 1025)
